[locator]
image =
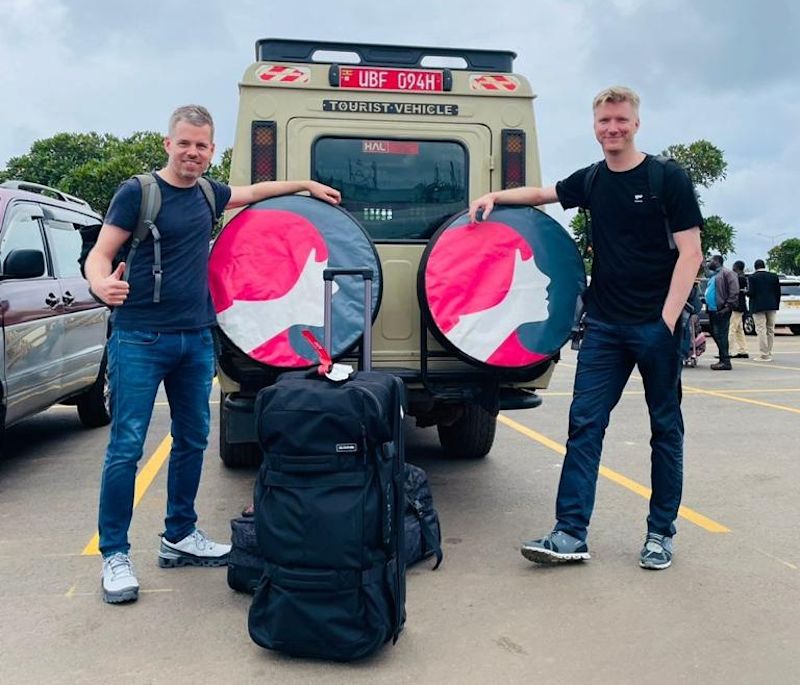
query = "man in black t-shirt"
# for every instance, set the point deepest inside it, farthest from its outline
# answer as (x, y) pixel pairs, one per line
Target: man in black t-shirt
(164, 339)
(639, 285)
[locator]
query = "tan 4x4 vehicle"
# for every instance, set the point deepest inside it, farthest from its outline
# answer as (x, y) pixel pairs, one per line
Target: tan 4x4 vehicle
(306, 113)
(53, 331)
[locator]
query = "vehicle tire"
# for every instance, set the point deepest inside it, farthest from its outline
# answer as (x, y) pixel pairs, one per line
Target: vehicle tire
(471, 435)
(94, 408)
(748, 324)
(235, 454)
(795, 329)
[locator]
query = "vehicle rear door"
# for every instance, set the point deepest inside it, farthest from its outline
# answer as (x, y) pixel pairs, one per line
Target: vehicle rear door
(401, 181)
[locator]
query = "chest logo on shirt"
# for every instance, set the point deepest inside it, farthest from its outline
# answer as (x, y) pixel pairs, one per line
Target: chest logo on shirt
(638, 199)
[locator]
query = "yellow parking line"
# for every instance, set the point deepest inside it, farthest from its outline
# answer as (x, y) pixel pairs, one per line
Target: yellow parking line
(766, 365)
(759, 403)
(684, 512)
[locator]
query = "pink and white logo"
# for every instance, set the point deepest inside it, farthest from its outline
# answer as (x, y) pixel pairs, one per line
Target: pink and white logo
(482, 283)
(265, 276)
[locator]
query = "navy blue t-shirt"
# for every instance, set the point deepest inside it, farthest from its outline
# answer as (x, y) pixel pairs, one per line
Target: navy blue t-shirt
(632, 261)
(185, 224)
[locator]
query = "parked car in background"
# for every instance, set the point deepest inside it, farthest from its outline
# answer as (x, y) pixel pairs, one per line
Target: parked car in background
(789, 312)
(54, 331)
(747, 318)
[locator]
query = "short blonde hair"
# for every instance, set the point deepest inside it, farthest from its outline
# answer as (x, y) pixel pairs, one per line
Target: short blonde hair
(616, 94)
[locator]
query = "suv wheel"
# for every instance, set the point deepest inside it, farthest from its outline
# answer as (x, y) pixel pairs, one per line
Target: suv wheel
(94, 409)
(235, 454)
(471, 435)
(748, 324)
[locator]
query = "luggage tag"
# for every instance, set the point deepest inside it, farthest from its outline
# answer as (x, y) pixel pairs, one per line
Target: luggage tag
(333, 372)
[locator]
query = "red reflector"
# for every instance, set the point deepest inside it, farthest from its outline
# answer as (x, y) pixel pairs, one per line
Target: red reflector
(513, 158)
(369, 78)
(389, 147)
(263, 151)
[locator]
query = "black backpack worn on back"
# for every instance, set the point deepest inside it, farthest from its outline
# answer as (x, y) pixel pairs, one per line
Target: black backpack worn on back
(149, 208)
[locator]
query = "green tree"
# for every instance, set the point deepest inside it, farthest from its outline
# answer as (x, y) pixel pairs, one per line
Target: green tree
(785, 257)
(222, 172)
(703, 161)
(581, 236)
(717, 236)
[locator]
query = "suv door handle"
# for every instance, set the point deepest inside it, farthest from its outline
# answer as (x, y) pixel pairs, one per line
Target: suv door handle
(68, 298)
(51, 300)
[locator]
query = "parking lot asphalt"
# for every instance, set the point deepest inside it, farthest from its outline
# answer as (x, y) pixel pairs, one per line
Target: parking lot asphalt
(727, 611)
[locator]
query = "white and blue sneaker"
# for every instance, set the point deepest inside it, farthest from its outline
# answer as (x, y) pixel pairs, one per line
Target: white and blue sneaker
(657, 552)
(196, 549)
(118, 580)
(556, 548)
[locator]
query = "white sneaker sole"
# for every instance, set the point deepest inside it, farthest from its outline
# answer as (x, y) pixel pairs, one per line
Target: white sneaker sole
(547, 556)
(650, 566)
(128, 594)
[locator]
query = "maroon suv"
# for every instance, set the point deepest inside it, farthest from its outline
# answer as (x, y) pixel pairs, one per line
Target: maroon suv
(54, 332)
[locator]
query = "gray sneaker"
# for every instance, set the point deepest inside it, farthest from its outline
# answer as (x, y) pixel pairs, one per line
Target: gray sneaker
(196, 549)
(119, 579)
(556, 548)
(657, 552)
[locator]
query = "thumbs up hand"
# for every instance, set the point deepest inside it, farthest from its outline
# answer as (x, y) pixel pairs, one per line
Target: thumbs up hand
(112, 289)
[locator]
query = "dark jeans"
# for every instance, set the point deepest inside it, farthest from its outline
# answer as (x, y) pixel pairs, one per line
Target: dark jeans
(605, 362)
(720, 327)
(138, 361)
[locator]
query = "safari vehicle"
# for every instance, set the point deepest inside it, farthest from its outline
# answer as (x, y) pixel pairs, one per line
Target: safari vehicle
(345, 114)
(53, 330)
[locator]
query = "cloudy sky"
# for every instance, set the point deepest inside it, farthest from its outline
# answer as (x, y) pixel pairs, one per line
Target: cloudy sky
(714, 69)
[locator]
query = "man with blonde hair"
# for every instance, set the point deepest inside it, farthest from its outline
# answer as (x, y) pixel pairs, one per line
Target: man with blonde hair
(162, 323)
(646, 252)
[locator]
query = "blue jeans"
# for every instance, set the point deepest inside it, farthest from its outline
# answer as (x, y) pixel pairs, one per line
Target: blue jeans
(138, 361)
(605, 362)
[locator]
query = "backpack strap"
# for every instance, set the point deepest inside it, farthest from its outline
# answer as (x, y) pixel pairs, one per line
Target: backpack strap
(655, 180)
(428, 534)
(149, 208)
(211, 198)
(588, 182)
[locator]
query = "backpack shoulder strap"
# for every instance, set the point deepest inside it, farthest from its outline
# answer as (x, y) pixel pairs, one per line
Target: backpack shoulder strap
(655, 180)
(588, 182)
(150, 205)
(211, 198)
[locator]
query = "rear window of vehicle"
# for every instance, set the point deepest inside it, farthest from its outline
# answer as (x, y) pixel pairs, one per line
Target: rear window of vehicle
(790, 289)
(397, 189)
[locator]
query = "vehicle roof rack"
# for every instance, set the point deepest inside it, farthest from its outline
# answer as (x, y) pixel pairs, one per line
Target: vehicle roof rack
(369, 54)
(45, 190)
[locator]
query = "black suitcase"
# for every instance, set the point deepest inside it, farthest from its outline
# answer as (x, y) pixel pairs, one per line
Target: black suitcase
(329, 502)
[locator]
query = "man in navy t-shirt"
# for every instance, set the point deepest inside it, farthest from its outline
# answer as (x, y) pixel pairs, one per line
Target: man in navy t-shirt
(165, 338)
(639, 285)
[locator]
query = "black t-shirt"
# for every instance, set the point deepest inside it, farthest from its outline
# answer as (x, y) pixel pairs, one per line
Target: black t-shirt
(632, 261)
(184, 223)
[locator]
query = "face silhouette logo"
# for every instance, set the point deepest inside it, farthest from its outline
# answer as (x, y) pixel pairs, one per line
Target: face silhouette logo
(266, 278)
(483, 286)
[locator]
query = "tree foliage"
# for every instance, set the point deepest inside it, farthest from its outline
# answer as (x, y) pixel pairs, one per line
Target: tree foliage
(785, 257)
(92, 166)
(703, 161)
(717, 236)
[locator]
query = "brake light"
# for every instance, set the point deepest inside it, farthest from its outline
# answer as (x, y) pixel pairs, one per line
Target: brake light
(512, 158)
(263, 151)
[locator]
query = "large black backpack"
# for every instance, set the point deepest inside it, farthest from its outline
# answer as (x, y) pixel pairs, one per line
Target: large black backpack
(149, 208)
(329, 507)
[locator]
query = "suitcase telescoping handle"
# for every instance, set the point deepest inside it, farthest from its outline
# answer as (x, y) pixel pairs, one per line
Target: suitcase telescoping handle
(367, 275)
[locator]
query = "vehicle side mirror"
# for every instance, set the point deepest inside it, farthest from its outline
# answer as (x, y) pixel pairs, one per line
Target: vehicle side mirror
(24, 264)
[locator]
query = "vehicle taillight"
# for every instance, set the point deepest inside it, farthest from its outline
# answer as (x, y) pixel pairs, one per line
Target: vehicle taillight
(513, 157)
(263, 152)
